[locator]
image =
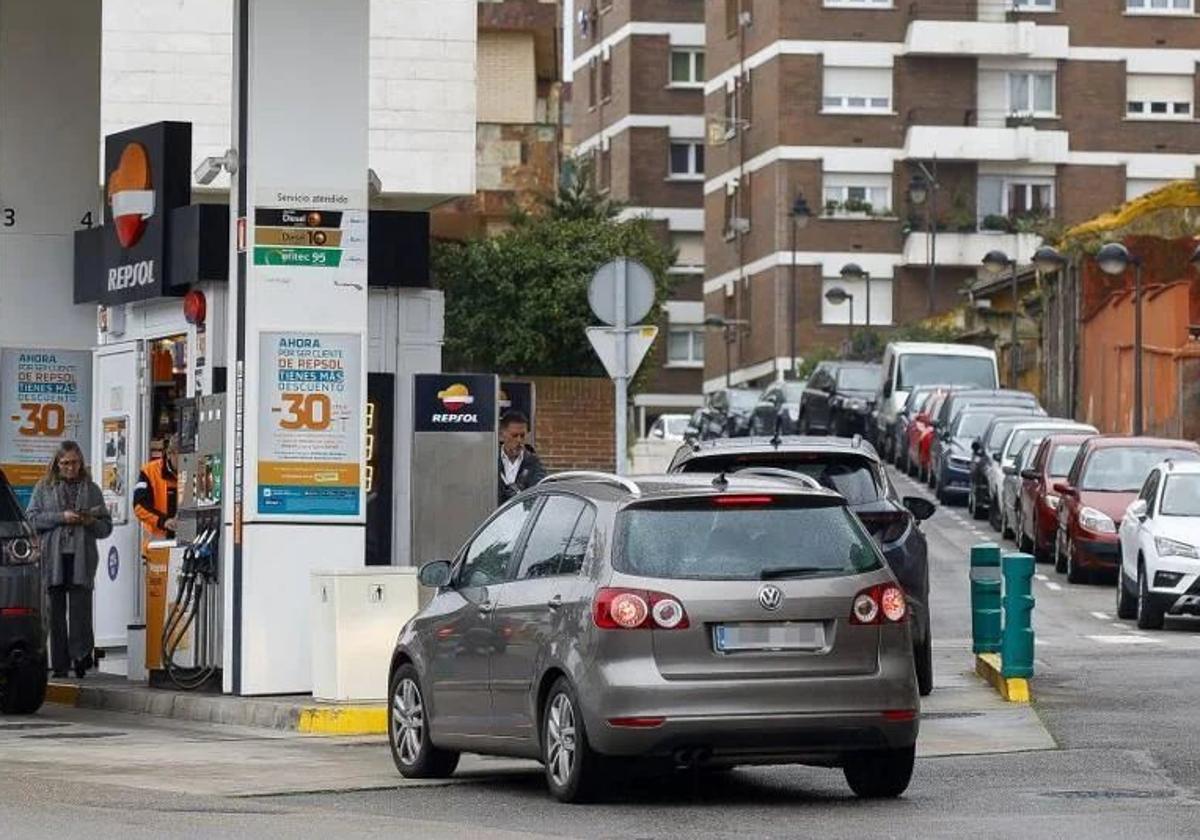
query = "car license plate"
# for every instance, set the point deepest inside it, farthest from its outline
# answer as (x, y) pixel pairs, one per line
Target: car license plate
(767, 635)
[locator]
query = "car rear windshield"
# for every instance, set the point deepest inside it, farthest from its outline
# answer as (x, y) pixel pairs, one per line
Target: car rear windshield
(1023, 436)
(697, 539)
(1062, 459)
(793, 391)
(858, 379)
(677, 425)
(971, 426)
(1123, 469)
(921, 369)
(1000, 432)
(855, 477)
(1181, 496)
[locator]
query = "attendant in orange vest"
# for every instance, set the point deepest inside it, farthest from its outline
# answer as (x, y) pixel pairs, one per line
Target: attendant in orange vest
(154, 503)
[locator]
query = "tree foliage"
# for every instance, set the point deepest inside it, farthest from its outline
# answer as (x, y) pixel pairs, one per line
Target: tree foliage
(517, 303)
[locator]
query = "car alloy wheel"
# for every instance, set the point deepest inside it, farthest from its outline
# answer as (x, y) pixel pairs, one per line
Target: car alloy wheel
(408, 719)
(1149, 615)
(560, 740)
(1126, 600)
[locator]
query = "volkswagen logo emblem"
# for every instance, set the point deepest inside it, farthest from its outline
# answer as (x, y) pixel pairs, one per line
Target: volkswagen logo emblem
(770, 597)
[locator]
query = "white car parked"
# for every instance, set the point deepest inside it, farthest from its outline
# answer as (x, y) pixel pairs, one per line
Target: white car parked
(1036, 428)
(1160, 547)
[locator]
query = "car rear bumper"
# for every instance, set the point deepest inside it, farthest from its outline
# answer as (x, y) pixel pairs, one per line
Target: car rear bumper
(21, 634)
(955, 481)
(755, 719)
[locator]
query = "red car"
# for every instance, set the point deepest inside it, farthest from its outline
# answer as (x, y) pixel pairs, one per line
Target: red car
(920, 435)
(1105, 478)
(1037, 508)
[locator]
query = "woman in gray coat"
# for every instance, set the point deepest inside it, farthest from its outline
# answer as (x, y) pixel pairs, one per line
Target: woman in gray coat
(68, 511)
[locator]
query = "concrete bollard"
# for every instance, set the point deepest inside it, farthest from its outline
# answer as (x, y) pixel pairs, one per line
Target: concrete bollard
(985, 598)
(1016, 653)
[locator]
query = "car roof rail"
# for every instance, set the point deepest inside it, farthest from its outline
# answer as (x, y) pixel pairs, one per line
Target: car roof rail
(611, 479)
(856, 441)
(780, 472)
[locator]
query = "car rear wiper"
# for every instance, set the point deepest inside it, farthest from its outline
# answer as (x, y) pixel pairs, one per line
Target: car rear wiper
(792, 571)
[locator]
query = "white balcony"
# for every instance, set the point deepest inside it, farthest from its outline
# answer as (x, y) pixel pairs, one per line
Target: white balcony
(976, 143)
(982, 38)
(969, 249)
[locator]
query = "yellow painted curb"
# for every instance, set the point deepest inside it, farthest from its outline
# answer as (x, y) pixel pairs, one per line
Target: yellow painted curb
(62, 694)
(1013, 689)
(343, 720)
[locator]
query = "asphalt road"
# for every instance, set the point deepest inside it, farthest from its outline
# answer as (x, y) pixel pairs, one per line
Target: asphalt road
(1108, 750)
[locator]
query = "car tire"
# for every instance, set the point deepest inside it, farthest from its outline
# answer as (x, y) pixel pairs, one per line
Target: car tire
(24, 689)
(573, 769)
(1150, 616)
(923, 660)
(977, 512)
(414, 753)
(802, 424)
(1007, 531)
(1126, 600)
(880, 774)
(1075, 574)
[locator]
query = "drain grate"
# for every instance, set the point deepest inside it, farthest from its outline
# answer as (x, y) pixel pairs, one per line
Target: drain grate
(1110, 794)
(75, 736)
(950, 715)
(18, 727)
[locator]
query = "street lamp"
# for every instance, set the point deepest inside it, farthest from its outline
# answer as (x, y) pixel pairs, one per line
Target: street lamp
(923, 191)
(854, 273)
(1047, 260)
(837, 296)
(995, 262)
(1114, 260)
(800, 216)
(724, 324)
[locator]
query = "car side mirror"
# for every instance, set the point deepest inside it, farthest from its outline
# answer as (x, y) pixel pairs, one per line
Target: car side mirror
(922, 509)
(976, 446)
(1063, 489)
(1010, 470)
(1031, 475)
(996, 457)
(657, 434)
(435, 574)
(1139, 509)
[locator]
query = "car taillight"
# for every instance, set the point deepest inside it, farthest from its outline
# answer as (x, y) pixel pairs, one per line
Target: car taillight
(638, 609)
(882, 604)
(886, 527)
(19, 550)
(742, 501)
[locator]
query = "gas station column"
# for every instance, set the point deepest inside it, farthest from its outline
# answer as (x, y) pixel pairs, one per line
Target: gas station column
(49, 166)
(298, 328)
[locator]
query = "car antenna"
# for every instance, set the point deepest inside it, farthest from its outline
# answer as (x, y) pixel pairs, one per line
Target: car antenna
(721, 482)
(777, 438)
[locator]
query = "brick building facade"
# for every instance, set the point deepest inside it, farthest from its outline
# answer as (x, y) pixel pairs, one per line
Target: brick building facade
(1024, 113)
(637, 113)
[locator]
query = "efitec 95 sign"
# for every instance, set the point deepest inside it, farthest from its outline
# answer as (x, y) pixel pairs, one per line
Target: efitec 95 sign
(147, 175)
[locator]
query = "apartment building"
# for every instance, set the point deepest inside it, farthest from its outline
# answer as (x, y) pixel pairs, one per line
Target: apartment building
(986, 121)
(518, 133)
(638, 115)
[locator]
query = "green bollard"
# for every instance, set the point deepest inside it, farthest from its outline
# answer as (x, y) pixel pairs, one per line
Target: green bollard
(1016, 654)
(985, 598)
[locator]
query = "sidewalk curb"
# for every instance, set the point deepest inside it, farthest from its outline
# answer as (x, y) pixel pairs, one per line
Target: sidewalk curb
(300, 715)
(1012, 689)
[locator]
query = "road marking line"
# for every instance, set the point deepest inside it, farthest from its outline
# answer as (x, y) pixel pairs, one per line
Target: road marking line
(1127, 639)
(1042, 577)
(1053, 586)
(1102, 616)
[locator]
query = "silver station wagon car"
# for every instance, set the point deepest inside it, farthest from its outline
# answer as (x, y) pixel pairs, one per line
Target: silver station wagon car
(687, 620)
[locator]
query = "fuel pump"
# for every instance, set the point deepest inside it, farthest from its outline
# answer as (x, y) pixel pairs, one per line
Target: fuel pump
(191, 638)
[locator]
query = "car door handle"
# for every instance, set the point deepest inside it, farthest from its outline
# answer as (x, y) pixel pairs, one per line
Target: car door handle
(485, 607)
(555, 602)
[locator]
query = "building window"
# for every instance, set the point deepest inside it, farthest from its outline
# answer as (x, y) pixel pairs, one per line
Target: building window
(1033, 5)
(1031, 94)
(839, 313)
(687, 67)
(685, 346)
(606, 79)
(1002, 201)
(592, 81)
(734, 10)
(731, 108)
(857, 195)
(1159, 97)
(1159, 7)
(687, 159)
(737, 207)
(857, 90)
(603, 165)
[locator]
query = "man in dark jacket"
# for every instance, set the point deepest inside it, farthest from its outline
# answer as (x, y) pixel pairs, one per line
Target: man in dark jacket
(520, 467)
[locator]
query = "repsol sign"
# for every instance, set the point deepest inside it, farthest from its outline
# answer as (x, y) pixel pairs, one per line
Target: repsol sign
(456, 419)
(131, 276)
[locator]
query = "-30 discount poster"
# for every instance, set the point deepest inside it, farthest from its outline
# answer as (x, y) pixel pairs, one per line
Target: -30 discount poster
(45, 398)
(310, 424)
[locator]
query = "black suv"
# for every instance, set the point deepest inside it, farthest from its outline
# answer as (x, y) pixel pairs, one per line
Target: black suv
(22, 638)
(851, 467)
(839, 398)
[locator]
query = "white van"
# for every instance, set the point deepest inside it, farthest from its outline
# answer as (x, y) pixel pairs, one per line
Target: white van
(907, 364)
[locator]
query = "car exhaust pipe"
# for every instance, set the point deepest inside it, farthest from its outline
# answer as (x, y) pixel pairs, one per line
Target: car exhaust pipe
(692, 757)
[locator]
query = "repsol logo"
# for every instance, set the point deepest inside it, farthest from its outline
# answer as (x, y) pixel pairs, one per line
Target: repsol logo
(456, 418)
(131, 276)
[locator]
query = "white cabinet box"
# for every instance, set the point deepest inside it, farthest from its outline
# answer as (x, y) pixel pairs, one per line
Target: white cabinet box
(356, 616)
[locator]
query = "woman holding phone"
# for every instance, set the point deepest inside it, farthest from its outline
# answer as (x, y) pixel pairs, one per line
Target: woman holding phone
(68, 511)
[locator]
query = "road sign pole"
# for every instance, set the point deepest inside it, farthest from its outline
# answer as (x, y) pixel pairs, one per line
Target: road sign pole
(622, 380)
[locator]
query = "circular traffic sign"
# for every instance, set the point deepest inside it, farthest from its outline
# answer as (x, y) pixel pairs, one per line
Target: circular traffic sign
(639, 291)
